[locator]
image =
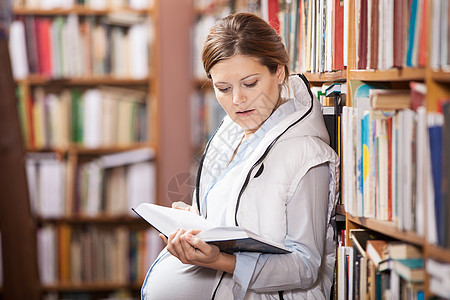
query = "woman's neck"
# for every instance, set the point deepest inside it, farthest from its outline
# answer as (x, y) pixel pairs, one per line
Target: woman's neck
(249, 132)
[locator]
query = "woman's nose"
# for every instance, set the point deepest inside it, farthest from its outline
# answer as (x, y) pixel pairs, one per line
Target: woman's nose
(238, 97)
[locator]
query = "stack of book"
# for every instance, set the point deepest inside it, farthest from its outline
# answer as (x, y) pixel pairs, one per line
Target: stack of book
(383, 268)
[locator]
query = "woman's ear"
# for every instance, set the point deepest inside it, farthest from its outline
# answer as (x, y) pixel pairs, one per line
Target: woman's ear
(280, 73)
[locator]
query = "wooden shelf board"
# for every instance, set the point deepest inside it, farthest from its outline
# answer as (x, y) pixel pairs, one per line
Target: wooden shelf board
(441, 76)
(105, 150)
(388, 228)
(89, 287)
(340, 75)
(340, 209)
(79, 10)
(81, 150)
(405, 74)
(118, 219)
(439, 253)
(87, 80)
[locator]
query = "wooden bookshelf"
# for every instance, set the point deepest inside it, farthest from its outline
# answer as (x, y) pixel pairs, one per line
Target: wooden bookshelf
(75, 155)
(84, 81)
(441, 76)
(81, 150)
(387, 228)
(340, 75)
(91, 287)
(79, 10)
(117, 220)
(439, 253)
(405, 74)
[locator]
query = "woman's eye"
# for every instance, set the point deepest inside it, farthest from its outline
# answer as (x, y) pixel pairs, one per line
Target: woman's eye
(251, 84)
(224, 90)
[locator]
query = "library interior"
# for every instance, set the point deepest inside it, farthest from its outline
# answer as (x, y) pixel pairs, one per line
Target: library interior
(106, 105)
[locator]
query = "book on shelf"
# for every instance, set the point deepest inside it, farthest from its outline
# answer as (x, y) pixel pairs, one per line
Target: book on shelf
(435, 125)
(91, 47)
(96, 117)
(386, 99)
(444, 223)
(439, 274)
(377, 251)
(75, 255)
(345, 268)
(229, 239)
(410, 269)
(402, 250)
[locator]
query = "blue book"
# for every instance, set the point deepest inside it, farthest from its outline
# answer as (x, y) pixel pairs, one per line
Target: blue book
(435, 134)
(411, 33)
(410, 269)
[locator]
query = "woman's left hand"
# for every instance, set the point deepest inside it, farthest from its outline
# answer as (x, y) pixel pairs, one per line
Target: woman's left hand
(191, 250)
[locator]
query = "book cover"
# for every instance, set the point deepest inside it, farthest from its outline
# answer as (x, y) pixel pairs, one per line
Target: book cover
(374, 28)
(338, 35)
(360, 237)
(362, 35)
(377, 251)
(411, 34)
(229, 239)
(435, 135)
(399, 20)
(402, 250)
(445, 223)
(411, 269)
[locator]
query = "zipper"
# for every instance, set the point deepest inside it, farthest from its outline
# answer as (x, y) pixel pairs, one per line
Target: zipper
(266, 152)
(217, 286)
(200, 167)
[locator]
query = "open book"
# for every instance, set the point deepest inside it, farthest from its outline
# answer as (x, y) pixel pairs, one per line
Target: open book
(229, 239)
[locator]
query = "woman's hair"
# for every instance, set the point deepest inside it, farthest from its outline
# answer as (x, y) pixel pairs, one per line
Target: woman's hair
(244, 34)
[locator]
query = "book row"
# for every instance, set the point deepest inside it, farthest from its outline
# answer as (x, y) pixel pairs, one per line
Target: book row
(391, 34)
(314, 33)
(392, 158)
(94, 4)
(88, 255)
(109, 185)
(377, 267)
(71, 46)
(92, 118)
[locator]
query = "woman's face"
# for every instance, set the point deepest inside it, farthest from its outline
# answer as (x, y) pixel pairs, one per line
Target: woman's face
(246, 90)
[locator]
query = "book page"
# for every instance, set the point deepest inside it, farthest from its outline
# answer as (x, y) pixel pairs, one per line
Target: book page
(166, 220)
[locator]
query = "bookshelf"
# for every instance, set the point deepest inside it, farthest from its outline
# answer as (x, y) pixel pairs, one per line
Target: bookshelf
(422, 70)
(436, 82)
(74, 224)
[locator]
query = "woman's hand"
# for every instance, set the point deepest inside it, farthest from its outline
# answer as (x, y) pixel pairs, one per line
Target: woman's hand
(183, 206)
(191, 250)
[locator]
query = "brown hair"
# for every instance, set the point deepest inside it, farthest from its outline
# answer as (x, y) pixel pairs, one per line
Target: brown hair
(244, 34)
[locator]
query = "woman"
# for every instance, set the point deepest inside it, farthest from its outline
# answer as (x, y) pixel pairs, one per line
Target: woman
(268, 168)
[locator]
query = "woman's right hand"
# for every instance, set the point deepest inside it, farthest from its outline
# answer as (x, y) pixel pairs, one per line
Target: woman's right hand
(183, 206)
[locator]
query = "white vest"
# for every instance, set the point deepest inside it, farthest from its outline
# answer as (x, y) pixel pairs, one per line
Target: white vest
(287, 152)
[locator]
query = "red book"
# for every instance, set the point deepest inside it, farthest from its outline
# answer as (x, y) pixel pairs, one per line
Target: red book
(374, 24)
(423, 35)
(274, 9)
(43, 29)
(399, 29)
(362, 36)
(338, 36)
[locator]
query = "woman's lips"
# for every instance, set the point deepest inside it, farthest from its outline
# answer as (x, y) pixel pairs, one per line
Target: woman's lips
(245, 113)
